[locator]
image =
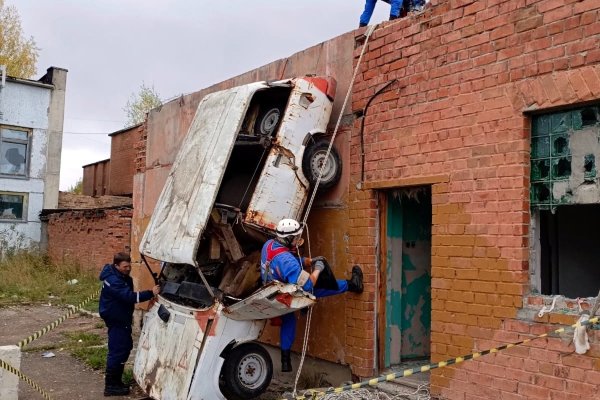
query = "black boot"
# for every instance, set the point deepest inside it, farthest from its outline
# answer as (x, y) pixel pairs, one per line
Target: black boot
(362, 24)
(355, 283)
(112, 383)
(119, 376)
(286, 361)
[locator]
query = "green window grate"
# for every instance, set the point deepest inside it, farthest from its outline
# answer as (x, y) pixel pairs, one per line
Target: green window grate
(551, 157)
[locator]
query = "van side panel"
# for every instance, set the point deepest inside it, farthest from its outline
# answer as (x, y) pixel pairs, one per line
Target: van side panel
(182, 210)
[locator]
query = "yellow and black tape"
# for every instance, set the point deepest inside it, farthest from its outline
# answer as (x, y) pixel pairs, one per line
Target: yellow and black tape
(315, 394)
(56, 323)
(10, 368)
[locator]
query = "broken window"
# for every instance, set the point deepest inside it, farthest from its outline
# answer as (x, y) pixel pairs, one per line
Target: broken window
(565, 202)
(14, 144)
(12, 207)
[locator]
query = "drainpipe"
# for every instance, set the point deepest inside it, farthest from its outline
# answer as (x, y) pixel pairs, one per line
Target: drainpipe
(362, 129)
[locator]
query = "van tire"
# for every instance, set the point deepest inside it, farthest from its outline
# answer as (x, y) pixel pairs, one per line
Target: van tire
(312, 160)
(246, 372)
(268, 120)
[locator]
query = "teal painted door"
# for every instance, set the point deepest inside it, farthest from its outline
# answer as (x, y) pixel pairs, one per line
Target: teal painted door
(408, 288)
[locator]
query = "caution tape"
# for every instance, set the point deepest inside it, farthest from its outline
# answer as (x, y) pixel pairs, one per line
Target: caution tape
(315, 394)
(56, 323)
(23, 377)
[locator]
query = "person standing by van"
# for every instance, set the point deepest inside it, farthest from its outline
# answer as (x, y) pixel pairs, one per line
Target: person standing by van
(279, 262)
(117, 300)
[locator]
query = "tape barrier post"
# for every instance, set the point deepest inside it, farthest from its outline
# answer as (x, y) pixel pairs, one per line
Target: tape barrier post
(9, 388)
(8, 391)
(316, 394)
(57, 322)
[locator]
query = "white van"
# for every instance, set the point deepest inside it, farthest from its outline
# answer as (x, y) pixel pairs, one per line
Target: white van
(249, 159)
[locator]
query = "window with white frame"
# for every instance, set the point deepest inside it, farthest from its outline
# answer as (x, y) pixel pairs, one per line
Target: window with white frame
(13, 206)
(14, 151)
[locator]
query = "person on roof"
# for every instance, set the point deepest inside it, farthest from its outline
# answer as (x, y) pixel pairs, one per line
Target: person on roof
(399, 8)
(117, 300)
(280, 261)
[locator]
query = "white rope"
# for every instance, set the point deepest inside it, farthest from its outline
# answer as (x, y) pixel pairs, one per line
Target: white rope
(421, 393)
(337, 125)
(314, 193)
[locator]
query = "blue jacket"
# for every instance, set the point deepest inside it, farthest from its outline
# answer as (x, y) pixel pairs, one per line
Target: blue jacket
(285, 267)
(117, 298)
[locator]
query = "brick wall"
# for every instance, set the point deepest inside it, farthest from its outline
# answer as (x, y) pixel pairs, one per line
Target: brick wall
(122, 160)
(96, 178)
(89, 237)
(468, 73)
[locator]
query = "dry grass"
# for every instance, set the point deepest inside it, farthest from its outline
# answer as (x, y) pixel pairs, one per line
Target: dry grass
(29, 276)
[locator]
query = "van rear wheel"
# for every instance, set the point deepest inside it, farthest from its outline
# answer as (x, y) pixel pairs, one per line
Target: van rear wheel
(246, 372)
(315, 155)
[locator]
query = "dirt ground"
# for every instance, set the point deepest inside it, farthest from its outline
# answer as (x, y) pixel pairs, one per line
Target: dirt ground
(63, 376)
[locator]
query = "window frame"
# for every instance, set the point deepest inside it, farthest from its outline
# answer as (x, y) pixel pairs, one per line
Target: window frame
(27, 143)
(23, 218)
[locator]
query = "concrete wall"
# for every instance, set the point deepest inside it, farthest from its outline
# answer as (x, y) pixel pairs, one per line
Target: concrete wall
(57, 77)
(469, 72)
(25, 104)
(89, 237)
(165, 129)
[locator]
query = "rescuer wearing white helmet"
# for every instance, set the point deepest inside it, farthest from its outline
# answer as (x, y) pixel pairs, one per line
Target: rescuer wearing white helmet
(280, 261)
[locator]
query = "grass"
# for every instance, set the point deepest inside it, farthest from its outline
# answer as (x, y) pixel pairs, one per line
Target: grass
(95, 357)
(31, 277)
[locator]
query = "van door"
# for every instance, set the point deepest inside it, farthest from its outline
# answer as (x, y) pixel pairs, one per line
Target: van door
(273, 300)
(183, 208)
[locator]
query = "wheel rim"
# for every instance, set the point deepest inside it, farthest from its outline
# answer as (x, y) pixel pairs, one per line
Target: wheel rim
(316, 163)
(269, 121)
(252, 371)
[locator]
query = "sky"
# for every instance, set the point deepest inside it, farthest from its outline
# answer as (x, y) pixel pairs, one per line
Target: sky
(112, 47)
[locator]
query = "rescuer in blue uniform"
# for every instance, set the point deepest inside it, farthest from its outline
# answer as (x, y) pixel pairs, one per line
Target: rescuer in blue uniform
(280, 261)
(117, 300)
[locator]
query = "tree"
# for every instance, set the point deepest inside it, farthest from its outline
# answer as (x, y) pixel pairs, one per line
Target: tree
(77, 188)
(18, 53)
(140, 103)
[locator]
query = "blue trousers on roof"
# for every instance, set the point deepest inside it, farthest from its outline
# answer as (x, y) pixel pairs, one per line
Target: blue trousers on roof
(120, 344)
(287, 334)
(370, 7)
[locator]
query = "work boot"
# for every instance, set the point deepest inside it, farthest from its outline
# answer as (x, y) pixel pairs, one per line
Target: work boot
(393, 17)
(113, 385)
(119, 376)
(286, 361)
(362, 24)
(355, 283)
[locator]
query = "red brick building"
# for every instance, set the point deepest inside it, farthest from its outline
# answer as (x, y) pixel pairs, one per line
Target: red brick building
(114, 176)
(490, 104)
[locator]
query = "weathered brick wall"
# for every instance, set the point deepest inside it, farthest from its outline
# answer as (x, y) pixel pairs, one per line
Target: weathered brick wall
(468, 72)
(89, 237)
(122, 160)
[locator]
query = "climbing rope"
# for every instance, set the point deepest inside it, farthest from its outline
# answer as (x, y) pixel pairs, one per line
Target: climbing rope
(421, 393)
(314, 194)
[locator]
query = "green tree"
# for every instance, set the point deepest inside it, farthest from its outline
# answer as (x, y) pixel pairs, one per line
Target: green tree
(77, 188)
(18, 53)
(140, 103)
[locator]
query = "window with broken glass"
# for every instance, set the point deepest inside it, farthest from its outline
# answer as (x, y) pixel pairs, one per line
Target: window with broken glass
(13, 206)
(565, 202)
(14, 152)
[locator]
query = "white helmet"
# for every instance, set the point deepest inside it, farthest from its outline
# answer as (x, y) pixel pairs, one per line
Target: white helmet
(288, 227)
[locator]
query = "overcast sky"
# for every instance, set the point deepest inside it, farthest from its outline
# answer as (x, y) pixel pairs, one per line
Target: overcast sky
(179, 46)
